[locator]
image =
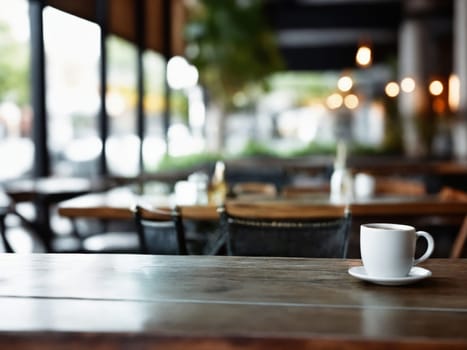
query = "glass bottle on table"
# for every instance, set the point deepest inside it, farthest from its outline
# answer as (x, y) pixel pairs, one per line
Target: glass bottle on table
(341, 178)
(218, 187)
(200, 181)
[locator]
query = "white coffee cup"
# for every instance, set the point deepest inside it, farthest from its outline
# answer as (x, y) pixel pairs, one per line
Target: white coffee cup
(388, 250)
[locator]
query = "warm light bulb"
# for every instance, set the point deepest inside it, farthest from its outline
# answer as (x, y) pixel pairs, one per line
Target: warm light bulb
(363, 56)
(408, 85)
(351, 101)
(345, 83)
(392, 89)
(436, 88)
(334, 101)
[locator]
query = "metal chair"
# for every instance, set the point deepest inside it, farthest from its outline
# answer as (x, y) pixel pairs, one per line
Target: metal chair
(258, 229)
(160, 231)
(6, 245)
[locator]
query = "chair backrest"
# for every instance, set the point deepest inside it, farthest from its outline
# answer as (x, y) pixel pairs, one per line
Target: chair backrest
(459, 245)
(452, 194)
(160, 231)
(297, 231)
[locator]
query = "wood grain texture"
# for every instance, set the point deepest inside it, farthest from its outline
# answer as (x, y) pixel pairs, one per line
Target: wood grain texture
(283, 209)
(108, 206)
(200, 302)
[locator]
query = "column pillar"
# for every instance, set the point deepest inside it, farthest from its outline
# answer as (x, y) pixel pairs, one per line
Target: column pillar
(459, 129)
(38, 89)
(102, 20)
(413, 105)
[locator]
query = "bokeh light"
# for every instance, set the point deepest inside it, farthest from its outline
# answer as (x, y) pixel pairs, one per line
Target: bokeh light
(392, 89)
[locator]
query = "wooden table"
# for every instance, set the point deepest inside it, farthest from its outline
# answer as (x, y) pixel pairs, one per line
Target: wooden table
(196, 302)
(45, 192)
(415, 210)
(118, 204)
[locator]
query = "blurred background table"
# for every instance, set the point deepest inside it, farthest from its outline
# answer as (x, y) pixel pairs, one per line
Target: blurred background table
(422, 211)
(43, 194)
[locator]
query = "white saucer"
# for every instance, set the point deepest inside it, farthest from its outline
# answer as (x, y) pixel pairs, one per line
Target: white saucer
(416, 274)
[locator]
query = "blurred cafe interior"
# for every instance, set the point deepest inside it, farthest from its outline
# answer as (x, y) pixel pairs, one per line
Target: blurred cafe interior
(198, 102)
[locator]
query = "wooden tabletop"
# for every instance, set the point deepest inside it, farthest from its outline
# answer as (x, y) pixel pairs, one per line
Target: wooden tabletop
(396, 205)
(198, 302)
(118, 204)
(60, 187)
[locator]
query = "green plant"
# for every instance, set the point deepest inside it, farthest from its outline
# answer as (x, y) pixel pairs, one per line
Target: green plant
(254, 148)
(232, 45)
(186, 162)
(14, 68)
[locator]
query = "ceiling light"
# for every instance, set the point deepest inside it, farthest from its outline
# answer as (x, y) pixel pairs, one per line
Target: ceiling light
(364, 56)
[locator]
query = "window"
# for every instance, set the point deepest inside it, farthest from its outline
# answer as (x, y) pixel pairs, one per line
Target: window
(16, 147)
(122, 142)
(72, 63)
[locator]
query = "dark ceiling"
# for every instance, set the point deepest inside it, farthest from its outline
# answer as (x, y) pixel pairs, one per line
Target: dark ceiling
(312, 34)
(325, 34)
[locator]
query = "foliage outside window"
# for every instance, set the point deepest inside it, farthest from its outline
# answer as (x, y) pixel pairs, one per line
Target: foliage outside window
(16, 148)
(14, 68)
(232, 45)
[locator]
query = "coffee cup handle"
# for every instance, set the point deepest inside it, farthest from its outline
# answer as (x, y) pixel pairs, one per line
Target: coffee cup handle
(429, 249)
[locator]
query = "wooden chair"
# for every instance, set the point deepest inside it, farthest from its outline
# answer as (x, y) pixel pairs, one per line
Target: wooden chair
(291, 230)
(452, 194)
(160, 231)
(106, 234)
(460, 242)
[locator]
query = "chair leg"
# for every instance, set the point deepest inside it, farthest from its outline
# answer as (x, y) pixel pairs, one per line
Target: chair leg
(5, 242)
(460, 241)
(218, 245)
